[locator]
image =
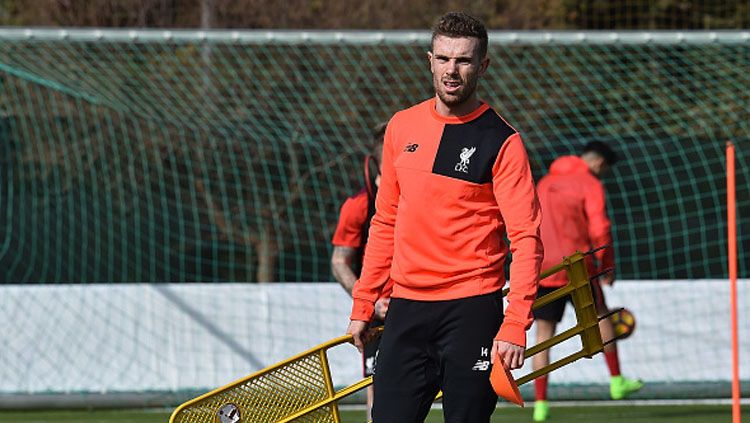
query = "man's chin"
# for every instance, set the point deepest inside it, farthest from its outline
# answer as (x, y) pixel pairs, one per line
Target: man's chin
(452, 99)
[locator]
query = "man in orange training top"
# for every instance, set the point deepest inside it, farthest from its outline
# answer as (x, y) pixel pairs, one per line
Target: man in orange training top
(575, 218)
(455, 180)
(348, 248)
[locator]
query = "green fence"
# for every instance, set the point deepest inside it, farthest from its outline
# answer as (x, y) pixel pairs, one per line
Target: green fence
(156, 156)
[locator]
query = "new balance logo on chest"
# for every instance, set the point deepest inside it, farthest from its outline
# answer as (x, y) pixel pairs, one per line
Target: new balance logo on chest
(411, 147)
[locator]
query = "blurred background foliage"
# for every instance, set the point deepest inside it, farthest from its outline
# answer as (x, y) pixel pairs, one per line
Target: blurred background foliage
(378, 14)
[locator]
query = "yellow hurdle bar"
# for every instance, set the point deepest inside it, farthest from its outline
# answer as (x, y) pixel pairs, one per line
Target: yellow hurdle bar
(301, 388)
(579, 289)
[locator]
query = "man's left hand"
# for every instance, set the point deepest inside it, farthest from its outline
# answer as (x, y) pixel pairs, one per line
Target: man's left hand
(511, 354)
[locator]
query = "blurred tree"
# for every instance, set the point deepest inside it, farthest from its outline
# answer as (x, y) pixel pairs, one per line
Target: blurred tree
(378, 14)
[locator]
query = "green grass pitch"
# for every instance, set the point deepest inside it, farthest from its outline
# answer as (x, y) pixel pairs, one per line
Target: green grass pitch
(696, 413)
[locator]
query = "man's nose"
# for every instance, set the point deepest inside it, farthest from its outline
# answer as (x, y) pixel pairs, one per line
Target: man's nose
(451, 67)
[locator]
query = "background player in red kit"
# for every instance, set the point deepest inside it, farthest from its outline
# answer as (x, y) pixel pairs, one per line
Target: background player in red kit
(575, 218)
(455, 180)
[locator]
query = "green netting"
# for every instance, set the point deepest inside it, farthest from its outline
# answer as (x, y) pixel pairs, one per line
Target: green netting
(224, 156)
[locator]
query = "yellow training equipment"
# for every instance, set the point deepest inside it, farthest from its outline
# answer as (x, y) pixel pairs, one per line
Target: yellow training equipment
(300, 389)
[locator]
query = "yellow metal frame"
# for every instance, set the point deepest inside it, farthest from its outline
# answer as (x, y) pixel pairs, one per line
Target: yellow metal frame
(587, 326)
(301, 387)
(271, 405)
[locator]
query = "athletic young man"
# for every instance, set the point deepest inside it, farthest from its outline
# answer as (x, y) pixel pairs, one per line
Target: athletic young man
(575, 218)
(455, 180)
(348, 248)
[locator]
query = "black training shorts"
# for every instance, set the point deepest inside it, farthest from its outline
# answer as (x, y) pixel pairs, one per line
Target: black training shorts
(432, 345)
(553, 311)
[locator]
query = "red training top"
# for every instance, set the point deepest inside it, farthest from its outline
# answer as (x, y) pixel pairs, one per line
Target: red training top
(575, 217)
(352, 218)
(349, 230)
(449, 190)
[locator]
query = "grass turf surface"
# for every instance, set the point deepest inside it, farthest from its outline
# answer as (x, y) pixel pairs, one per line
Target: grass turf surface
(694, 413)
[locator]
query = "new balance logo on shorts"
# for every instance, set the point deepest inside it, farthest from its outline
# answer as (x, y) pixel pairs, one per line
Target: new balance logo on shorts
(482, 365)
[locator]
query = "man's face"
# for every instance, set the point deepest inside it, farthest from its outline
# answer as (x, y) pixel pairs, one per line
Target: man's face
(456, 67)
(599, 167)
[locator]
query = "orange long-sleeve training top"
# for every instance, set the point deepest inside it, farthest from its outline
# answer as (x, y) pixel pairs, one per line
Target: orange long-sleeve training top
(451, 187)
(575, 217)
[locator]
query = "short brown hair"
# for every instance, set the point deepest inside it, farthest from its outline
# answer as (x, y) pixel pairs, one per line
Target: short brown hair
(459, 24)
(602, 150)
(378, 136)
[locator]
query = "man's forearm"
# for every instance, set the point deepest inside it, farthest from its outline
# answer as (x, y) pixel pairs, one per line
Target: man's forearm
(344, 275)
(341, 267)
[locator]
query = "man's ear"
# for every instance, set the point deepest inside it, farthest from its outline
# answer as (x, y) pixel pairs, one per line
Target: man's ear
(429, 59)
(599, 165)
(484, 65)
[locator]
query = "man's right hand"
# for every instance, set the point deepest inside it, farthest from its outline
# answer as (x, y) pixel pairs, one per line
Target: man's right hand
(358, 330)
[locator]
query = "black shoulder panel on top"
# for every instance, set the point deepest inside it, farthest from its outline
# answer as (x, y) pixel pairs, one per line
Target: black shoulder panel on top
(468, 150)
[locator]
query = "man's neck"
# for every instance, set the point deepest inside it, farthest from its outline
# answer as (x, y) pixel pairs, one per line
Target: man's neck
(462, 109)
